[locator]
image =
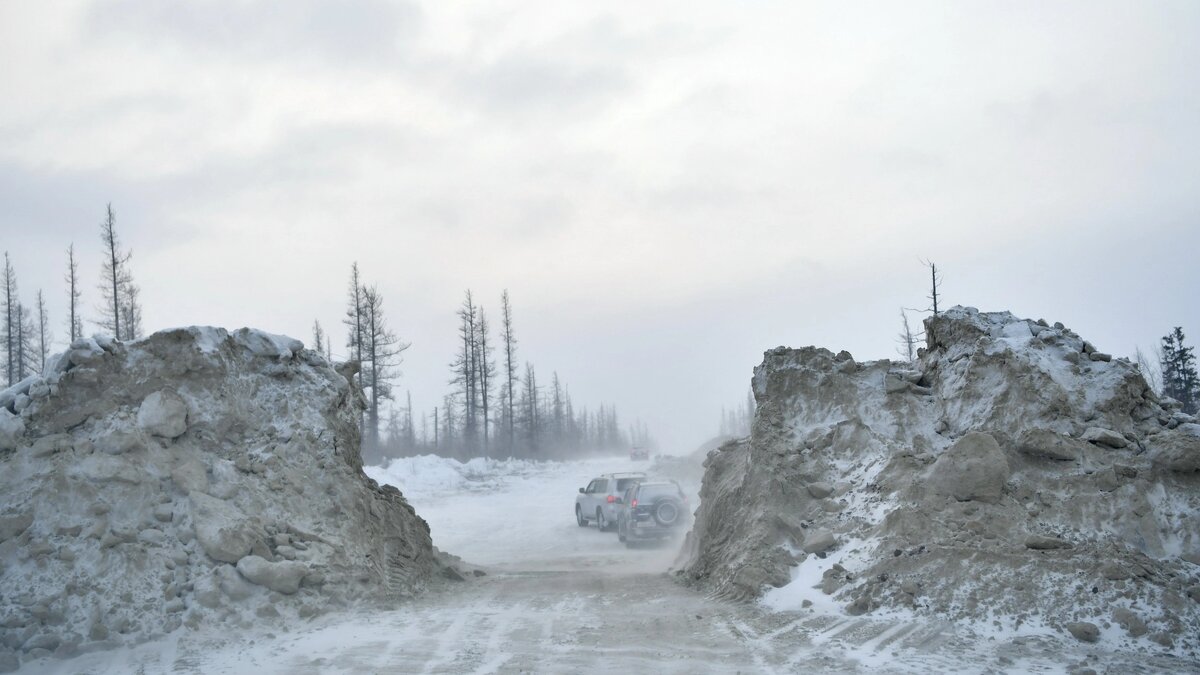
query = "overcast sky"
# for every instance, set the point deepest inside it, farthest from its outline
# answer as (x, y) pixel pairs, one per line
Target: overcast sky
(666, 189)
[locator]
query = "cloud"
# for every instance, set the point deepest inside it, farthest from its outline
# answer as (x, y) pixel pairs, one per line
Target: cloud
(342, 34)
(773, 168)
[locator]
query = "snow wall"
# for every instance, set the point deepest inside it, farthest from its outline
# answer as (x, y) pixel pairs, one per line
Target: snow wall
(1012, 475)
(196, 477)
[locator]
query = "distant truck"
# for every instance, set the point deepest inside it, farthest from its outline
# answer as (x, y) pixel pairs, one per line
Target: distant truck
(639, 453)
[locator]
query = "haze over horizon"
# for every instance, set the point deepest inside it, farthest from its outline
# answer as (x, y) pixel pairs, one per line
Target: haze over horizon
(665, 191)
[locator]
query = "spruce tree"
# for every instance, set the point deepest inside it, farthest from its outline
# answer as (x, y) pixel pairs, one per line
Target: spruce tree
(1179, 376)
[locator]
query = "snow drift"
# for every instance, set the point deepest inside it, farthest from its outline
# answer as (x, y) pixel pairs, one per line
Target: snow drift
(193, 477)
(429, 476)
(1013, 475)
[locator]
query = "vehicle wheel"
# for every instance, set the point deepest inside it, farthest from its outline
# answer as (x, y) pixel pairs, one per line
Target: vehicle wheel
(666, 512)
(579, 517)
(629, 542)
(621, 530)
(601, 523)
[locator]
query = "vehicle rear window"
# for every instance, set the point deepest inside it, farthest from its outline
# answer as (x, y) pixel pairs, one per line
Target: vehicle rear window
(624, 483)
(649, 492)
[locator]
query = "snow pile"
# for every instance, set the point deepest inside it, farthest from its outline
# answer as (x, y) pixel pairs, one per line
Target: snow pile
(431, 475)
(193, 477)
(1013, 477)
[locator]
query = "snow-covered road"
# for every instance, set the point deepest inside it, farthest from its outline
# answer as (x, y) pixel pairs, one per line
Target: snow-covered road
(558, 598)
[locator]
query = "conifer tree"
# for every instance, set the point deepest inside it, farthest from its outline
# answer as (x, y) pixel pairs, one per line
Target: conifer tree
(318, 337)
(1179, 377)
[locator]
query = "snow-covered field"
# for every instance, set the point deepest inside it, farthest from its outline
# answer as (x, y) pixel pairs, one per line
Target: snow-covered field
(560, 598)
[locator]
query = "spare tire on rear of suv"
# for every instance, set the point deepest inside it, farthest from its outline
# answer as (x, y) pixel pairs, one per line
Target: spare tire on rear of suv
(666, 511)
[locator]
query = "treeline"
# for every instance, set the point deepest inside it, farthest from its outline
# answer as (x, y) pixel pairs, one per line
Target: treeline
(736, 421)
(496, 405)
(28, 335)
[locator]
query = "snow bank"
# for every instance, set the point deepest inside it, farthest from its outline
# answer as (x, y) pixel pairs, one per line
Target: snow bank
(430, 475)
(195, 477)
(1014, 475)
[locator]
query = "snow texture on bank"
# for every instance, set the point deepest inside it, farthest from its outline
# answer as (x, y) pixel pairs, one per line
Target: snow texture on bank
(1013, 478)
(193, 478)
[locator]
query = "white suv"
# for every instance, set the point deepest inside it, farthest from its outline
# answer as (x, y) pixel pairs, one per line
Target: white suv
(601, 498)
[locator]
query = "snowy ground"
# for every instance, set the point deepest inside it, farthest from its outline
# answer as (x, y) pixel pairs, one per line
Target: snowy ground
(560, 598)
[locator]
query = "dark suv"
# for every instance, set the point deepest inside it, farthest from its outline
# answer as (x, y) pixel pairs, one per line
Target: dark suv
(651, 510)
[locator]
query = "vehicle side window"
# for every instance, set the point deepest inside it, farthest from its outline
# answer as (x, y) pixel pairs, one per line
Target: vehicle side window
(602, 486)
(590, 488)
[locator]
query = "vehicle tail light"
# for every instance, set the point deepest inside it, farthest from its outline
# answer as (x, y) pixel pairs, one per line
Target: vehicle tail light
(611, 499)
(633, 503)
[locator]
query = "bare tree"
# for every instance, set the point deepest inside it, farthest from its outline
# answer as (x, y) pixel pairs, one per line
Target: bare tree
(410, 433)
(448, 422)
(908, 341)
(464, 370)
(556, 409)
(380, 351)
(44, 336)
(26, 343)
(485, 369)
(11, 324)
(354, 327)
(74, 320)
(530, 409)
(114, 277)
(935, 285)
(510, 366)
(1152, 375)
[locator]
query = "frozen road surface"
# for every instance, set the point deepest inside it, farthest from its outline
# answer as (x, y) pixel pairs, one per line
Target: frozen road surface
(558, 598)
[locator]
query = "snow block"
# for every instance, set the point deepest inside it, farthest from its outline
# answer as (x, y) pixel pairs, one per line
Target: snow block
(283, 576)
(973, 469)
(163, 413)
(223, 531)
(12, 430)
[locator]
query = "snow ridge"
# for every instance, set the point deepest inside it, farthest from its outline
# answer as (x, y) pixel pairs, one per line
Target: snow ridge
(197, 477)
(1012, 476)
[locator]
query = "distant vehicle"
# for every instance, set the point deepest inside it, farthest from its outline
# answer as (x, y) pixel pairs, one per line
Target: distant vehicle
(598, 501)
(639, 454)
(651, 510)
